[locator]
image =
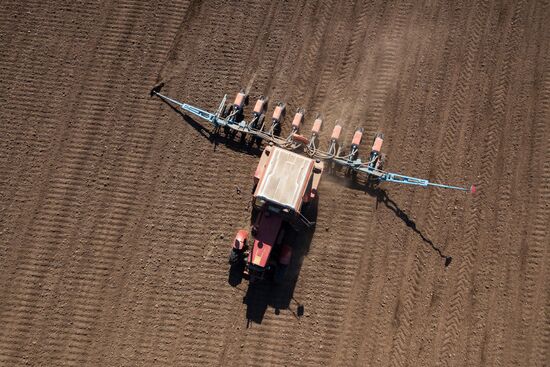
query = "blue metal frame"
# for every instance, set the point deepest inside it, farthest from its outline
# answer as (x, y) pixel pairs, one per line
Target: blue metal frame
(205, 115)
(356, 164)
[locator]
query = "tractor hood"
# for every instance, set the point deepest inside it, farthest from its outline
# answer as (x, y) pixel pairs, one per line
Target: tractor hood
(260, 253)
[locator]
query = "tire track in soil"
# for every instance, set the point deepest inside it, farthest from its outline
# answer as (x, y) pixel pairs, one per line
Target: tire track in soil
(328, 66)
(396, 35)
(274, 329)
(529, 341)
(428, 348)
(341, 64)
(458, 301)
(508, 345)
(359, 77)
(287, 59)
(207, 189)
(30, 139)
(324, 61)
(436, 97)
(358, 323)
(311, 48)
(356, 260)
(292, 69)
(350, 227)
(274, 39)
(338, 286)
(386, 72)
(20, 299)
(69, 179)
(349, 61)
(106, 232)
(281, 326)
(413, 290)
(254, 61)
(506, 127)
(361, 282)
(408, 294)
(495, 327)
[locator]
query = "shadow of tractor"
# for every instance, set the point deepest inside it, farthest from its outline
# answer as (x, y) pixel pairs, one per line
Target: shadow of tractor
(259, 296)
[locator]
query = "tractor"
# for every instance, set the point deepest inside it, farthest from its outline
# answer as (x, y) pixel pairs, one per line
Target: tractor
(287, 178)
(285, 185)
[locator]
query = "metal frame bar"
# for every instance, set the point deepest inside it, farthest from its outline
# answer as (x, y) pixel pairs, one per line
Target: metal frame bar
(354, 164)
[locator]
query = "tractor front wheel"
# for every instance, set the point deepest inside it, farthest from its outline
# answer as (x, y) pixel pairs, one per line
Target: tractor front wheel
(235, 257)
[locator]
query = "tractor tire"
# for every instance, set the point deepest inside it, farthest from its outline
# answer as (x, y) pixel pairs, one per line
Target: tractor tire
(234, 257)
(236, 273)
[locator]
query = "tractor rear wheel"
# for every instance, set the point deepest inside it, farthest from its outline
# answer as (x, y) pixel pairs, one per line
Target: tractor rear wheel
(234, 257)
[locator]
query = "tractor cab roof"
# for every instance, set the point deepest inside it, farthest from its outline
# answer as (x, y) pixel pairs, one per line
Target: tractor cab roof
(285, 179)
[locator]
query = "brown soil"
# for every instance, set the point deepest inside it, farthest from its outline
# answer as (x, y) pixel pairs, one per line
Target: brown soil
(116, 215)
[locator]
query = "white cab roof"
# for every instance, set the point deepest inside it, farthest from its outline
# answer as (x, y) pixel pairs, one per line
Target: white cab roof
(285, 178)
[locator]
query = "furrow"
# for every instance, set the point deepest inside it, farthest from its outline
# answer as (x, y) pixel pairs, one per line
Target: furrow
(457, 304)
(536, 244)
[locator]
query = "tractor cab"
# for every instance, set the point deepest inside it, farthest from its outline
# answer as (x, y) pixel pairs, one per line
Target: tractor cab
(285, 183)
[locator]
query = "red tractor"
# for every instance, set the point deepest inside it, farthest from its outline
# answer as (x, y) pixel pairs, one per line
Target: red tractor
(285, 184)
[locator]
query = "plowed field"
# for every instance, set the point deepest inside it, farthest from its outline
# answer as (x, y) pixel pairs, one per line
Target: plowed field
(117, 215)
